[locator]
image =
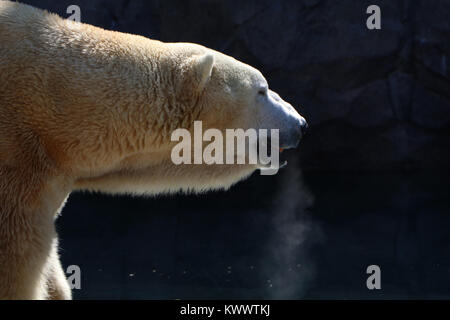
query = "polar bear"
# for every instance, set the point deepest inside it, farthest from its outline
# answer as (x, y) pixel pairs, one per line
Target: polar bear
(86, 108)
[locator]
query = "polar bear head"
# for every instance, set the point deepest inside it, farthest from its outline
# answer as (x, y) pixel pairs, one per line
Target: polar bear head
(236, 95)
(202, 89)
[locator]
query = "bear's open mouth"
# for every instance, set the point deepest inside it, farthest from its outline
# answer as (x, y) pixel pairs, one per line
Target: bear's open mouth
(281, 162)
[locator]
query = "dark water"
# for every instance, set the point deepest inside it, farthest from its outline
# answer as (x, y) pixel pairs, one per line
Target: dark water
(290, 236)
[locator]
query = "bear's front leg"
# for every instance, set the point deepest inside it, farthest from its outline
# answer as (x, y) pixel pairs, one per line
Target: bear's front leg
(29, 202)
(57, 286)
(25, 246)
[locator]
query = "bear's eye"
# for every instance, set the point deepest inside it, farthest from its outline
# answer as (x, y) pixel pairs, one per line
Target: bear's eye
(262, 92)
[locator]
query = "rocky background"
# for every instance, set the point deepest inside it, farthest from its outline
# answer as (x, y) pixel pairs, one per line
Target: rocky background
(368, 185)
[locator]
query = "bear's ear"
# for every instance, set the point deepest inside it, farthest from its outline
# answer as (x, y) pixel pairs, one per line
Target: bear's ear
(203, 66)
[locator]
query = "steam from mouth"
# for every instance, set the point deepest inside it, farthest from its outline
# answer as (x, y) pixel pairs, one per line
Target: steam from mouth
(288, 265)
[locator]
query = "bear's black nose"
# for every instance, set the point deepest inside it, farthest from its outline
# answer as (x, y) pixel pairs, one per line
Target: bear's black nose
(304, 128)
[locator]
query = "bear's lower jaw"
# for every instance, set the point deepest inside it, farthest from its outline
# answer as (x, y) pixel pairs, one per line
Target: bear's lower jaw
(282, 164)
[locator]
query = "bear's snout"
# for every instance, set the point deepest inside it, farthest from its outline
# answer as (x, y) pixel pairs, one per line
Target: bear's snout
(291, 138)
(304, 128)
(292, 126)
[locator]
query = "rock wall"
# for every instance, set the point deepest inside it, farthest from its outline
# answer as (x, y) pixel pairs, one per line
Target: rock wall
(375, 99)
